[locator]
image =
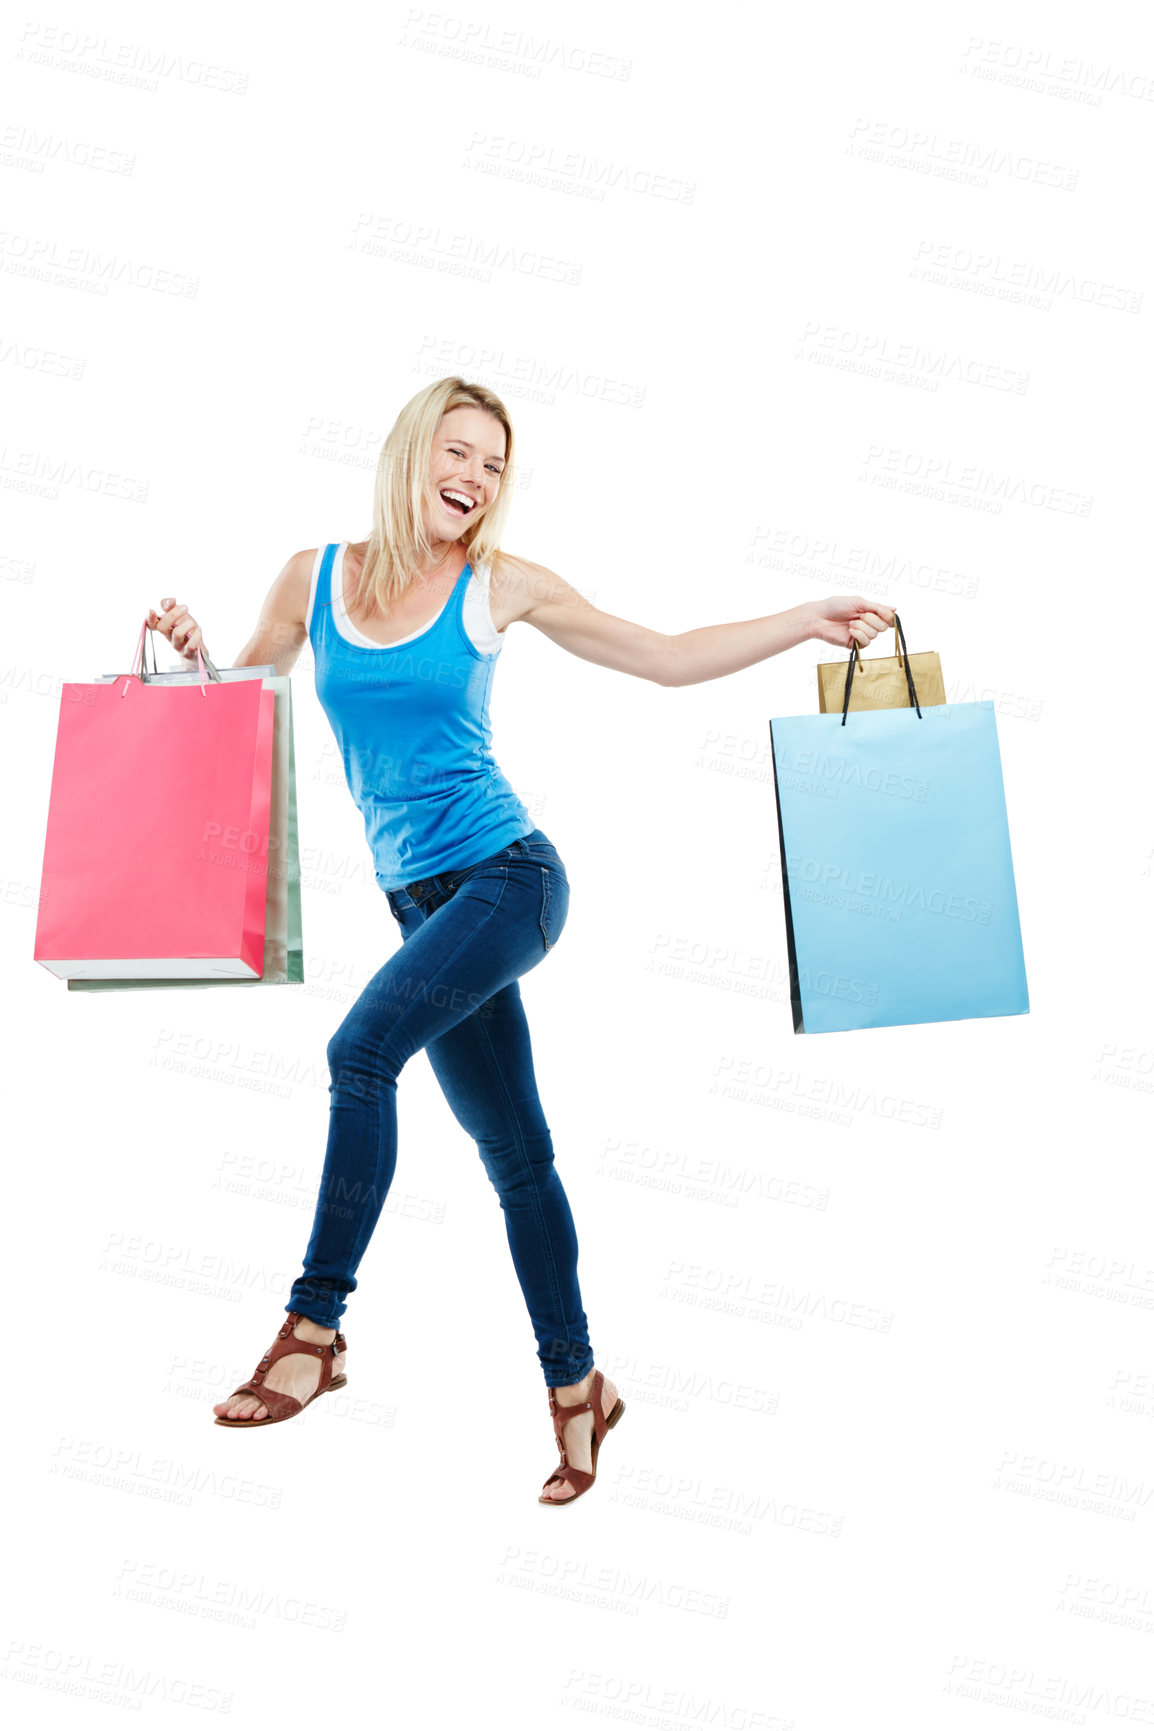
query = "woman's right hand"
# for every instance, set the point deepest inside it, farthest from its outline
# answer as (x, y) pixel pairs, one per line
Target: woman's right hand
(175, 622)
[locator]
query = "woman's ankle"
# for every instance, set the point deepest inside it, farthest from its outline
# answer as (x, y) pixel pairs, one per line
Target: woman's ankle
(571, 1391)
(306, 1329)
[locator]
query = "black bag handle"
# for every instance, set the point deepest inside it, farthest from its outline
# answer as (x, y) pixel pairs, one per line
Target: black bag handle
(856, 661)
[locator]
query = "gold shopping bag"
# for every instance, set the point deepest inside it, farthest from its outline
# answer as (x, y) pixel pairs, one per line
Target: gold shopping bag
(883, 682)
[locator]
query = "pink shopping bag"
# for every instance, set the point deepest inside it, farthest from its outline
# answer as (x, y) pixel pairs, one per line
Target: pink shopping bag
(156, 850)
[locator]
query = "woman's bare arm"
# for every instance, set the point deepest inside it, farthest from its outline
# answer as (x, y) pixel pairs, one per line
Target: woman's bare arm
(279, 634)
(539, 597)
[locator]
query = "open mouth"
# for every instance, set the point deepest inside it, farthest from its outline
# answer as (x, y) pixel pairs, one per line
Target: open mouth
(458, 502)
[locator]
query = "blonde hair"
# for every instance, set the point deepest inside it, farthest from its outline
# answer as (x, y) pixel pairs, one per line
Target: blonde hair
(398, 547)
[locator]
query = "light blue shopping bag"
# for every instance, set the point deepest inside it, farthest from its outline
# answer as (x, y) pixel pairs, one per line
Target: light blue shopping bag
(900, 904)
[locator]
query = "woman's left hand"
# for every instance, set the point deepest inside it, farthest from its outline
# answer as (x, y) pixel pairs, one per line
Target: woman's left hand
(843, 618)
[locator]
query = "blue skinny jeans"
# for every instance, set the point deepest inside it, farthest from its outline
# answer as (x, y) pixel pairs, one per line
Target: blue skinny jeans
(451, 988)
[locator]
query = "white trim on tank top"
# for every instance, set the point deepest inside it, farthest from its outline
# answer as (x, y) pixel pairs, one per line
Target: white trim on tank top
(477, 619)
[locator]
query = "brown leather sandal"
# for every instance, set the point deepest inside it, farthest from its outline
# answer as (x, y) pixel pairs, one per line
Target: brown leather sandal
(282, 1406)
(577, 1476)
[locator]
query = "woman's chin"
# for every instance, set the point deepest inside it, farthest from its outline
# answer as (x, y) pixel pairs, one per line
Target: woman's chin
(450, 527)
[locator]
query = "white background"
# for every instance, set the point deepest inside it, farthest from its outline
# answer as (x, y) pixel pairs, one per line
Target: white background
(758, 287)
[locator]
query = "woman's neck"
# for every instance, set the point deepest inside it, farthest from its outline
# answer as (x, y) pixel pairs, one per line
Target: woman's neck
(451, 559)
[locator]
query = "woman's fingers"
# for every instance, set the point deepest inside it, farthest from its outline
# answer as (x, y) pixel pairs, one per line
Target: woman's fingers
(859, 618)
(168, 616)
(868, 626)
(177, 624)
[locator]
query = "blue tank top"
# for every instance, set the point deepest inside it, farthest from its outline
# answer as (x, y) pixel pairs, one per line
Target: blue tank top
(412, 724)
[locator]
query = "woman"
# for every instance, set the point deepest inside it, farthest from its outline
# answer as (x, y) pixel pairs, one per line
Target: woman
(406, 628)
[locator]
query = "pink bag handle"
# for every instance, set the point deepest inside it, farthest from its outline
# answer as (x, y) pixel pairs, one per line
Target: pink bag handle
(138, 662)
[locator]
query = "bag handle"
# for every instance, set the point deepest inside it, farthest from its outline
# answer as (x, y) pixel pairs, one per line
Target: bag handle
(855, 660)
(140, 663)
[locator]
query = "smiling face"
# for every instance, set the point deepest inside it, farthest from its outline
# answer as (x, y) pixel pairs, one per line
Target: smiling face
(465, 467)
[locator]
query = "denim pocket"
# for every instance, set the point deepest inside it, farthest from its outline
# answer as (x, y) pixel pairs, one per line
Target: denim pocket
(542, 852)
(554, 904)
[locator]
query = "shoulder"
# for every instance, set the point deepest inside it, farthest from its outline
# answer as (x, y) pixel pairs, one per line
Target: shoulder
(513, 573)
(288, 597)
(521, 585)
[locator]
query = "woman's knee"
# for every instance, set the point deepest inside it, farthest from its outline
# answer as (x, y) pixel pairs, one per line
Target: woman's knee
(518, 1163)
(356, 1051)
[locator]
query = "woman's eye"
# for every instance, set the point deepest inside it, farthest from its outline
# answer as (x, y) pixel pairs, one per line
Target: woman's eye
(492, 467)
